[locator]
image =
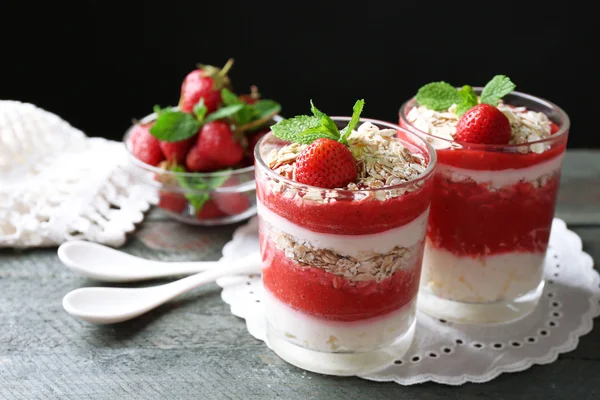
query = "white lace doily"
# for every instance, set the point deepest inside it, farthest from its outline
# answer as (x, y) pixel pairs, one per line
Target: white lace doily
(56, 184)
(455, 354)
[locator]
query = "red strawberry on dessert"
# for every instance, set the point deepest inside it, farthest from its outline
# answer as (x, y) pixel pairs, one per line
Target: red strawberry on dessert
(326, 163)
(204, 83)
(209, 210)
(176, 151)
(144, 146)
(216, 148)
(483, 124)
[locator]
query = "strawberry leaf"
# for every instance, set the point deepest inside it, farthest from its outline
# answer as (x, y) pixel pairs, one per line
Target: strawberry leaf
(356, 111)
(494, 90)
(198, 188)
(438, 96)
(469, 100)
(290, 129)
(223, 112)
(173, 126)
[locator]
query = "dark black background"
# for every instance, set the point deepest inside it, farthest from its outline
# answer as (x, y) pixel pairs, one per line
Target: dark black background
(100, 64)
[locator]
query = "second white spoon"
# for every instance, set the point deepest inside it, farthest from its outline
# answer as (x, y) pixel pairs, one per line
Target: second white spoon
(109, 265)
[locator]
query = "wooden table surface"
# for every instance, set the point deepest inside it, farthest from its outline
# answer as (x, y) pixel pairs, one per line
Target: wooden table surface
(193, 348)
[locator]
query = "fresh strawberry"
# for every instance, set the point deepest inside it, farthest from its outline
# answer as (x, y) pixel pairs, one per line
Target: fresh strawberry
(252, 97)
(326, 163)
(175, 202)
(144, 146)
(204, 83)
(209, 210)
(231, 203)
(176, 151)
(483, 124)
(216, 148)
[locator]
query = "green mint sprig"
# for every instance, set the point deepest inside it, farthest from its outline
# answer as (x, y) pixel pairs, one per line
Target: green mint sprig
(305, 129)
(172, 125)
(202, 185)
(439, 96)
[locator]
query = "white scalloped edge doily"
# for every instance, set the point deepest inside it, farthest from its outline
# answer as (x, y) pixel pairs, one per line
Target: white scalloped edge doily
(57, 184)
(454, 354)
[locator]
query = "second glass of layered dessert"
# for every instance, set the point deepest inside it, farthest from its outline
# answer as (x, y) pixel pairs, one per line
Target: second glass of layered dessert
(500, 156)
(343, 204)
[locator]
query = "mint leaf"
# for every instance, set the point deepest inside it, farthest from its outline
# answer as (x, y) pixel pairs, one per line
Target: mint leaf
(291, 128)
(469, 100)
(494, 90)
(309, 135)
(438, 96)
(229, 98)
(224, 112)
(159, 110)
(265, 108)
(173, 126)
(326, 122)
(200, 186)
(356, 111)
(200, 110)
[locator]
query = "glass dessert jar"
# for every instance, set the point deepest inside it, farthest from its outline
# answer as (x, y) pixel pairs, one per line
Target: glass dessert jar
(491, 211)
(341, 267)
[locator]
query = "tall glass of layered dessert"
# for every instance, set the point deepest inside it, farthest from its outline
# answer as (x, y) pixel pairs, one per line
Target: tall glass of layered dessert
(343, 204)
(500, 155)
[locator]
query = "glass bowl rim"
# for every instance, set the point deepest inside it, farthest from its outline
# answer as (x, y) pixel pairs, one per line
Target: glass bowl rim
(477, 146)
(427, 173)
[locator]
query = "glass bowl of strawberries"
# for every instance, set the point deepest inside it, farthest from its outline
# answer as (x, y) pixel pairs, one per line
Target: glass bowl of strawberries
(198, 156)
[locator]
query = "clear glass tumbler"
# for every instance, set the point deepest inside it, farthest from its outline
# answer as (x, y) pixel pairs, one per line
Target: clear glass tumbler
(341, 268)
(491, 214)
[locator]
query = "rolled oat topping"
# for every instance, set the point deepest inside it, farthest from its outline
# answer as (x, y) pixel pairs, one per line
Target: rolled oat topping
(382, 160)
(526, 126)
(366, 267)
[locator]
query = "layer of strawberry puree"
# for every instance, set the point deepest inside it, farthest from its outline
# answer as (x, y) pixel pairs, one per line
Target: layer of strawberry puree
(325, 295)
(467, 218)
(350, 217)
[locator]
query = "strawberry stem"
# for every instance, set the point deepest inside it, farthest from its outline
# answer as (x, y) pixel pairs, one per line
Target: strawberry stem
(226, 68)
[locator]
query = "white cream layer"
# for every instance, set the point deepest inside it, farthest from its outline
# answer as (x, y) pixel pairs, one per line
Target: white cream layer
(351, 245)
(505, 177)
(329, 336)
(488, 279)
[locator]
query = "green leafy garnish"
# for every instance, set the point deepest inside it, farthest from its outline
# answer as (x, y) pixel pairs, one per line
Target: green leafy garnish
(305, 129)
(496, 89)
(440, 96)
(223, 112)
(203, 185)
(245, 114)
(200, 110)
(468, 100)
(173, 126)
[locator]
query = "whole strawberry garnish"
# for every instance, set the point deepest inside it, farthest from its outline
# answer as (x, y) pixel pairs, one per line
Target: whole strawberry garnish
(204, 83)
(144, 146)
(177, 151)
(480, 120)
(327, 161)
(216, 148)
(483, 124)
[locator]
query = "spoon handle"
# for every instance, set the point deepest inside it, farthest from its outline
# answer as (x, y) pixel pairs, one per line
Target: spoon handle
(245, 265)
